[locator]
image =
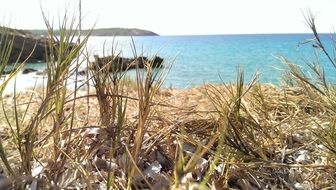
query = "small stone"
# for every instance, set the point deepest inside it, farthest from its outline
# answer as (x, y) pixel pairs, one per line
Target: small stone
(298, 186)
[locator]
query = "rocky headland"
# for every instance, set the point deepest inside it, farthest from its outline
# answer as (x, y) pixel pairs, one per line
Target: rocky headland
(26, 47)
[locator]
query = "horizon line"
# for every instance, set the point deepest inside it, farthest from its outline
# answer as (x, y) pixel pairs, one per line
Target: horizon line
(219, 34)
(210, 34)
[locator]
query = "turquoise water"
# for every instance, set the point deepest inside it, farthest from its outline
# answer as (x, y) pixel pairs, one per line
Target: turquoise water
(210, 59)
(215, 59)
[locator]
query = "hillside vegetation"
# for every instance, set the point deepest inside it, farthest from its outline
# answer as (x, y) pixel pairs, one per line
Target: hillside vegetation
(107, 32)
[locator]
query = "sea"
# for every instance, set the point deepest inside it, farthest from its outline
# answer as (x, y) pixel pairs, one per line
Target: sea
(201, 59)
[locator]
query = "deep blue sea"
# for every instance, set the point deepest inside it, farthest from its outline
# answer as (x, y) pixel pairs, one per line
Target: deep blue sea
(215, 58)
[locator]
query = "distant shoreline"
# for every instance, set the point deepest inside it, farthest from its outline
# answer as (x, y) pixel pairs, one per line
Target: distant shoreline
(261, 34)
(104, 32)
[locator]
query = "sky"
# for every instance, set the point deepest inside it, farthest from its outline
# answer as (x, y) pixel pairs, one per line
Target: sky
(178, 17)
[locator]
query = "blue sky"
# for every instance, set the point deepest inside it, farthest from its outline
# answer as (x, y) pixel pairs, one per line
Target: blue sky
(174, 17)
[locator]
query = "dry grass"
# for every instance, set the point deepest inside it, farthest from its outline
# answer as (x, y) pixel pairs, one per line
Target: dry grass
(276, 148)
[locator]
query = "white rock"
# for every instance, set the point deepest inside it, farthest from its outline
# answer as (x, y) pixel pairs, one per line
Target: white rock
(37, 170)
(153, 170)
(298, 186)
(220, 168)
(303, 156)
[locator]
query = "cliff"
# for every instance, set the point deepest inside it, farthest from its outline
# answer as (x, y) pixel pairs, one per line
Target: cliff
(25, 44)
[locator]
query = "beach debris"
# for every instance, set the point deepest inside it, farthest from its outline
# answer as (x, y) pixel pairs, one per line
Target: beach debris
(303, 157)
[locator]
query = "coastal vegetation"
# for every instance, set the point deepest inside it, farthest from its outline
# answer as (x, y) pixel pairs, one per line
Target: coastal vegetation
(105, 32)
(122, 134)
